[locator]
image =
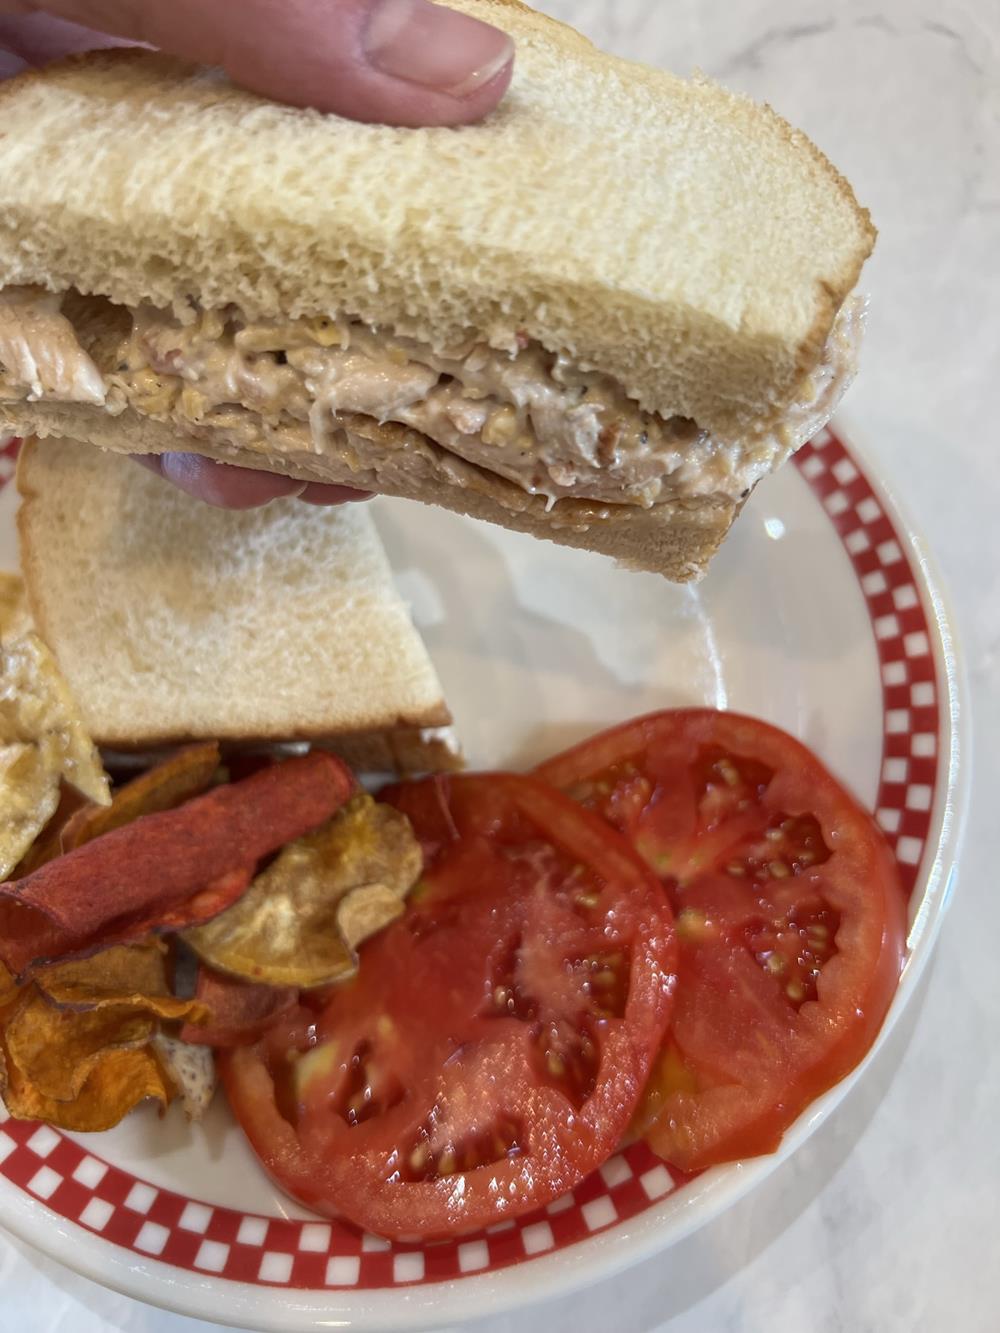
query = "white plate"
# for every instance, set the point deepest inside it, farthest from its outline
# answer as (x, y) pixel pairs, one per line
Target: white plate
(820, 615)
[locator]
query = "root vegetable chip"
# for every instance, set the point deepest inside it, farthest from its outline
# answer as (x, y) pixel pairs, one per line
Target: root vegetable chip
(8, 987)
(301, 921)
(117, 1081)
(36, 707)
(192, 1071)
(239, 1011)
(29, 940)
(131, 881)
(42, 741)
(49, 842)
(185, 774)
(29, 796)
(15, 618)
(56, 1049)
(160, 860)
(132, 976)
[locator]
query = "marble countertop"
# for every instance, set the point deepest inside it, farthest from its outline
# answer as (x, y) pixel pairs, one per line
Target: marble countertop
(885, 1220)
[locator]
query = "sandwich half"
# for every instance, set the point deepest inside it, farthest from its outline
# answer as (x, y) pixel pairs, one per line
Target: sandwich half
(600, 317)
(173, 622)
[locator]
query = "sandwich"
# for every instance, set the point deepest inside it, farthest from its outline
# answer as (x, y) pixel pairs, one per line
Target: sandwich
(173, 622)
(600, 317)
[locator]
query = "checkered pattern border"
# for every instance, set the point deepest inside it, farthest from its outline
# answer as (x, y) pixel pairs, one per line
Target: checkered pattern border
(910, 693)
(157, 1223)
(271, 1251)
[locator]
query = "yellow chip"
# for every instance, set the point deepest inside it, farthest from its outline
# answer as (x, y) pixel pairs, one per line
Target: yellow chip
(15, 618)
(42, 741)
(117, 1081)
(36, 707)
(129, 975)
(302, 919)
(29, 796)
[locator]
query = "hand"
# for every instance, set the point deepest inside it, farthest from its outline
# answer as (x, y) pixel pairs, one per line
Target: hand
(400, 62)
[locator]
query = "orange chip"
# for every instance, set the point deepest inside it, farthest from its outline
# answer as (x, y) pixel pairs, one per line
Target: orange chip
(126, 975)
(117, 1080)
(56, 1049)
(185, 774)
(302, 919)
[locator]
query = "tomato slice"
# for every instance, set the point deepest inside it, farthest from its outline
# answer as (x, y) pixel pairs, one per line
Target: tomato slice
(494, 1044)
(790, 920)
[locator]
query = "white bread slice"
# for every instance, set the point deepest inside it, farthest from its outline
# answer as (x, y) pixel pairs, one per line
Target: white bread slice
(680, 237)
(174, 621)
(676, 539)
(673, 235)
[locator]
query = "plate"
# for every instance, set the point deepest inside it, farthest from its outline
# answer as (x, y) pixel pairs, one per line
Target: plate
(820, 614)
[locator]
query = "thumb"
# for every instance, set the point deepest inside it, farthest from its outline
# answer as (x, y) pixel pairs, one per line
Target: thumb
(402, 62)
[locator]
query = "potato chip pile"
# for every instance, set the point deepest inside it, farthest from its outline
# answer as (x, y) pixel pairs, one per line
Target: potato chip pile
(136, 933)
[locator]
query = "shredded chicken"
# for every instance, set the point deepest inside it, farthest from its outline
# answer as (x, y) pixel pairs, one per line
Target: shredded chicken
(40, 356)
(530, 416)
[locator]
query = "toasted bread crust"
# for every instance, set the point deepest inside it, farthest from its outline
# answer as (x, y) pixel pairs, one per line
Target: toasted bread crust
(676, 539)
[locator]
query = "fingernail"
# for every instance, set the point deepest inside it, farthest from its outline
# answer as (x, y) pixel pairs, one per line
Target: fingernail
(435, 47)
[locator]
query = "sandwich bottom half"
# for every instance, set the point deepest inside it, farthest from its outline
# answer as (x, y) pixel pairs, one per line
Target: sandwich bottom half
(676, 538)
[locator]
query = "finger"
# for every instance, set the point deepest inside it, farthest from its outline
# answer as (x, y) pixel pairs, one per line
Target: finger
(34, 39)
(220, 484)
(402, 62)
(317, 493)
(10, 64)
(223, 485)
(231, 487)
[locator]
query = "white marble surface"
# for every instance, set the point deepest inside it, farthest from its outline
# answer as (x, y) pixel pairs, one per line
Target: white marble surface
(887, 1220)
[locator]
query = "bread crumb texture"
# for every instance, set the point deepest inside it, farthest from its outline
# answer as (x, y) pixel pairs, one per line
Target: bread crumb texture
(677, 236)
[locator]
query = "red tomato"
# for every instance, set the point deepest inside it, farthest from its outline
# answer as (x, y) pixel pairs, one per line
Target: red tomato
(790, 920)
(494, 1045)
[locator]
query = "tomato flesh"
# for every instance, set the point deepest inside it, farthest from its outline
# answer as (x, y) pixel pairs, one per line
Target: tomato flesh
(493, 1047)
(790, 920)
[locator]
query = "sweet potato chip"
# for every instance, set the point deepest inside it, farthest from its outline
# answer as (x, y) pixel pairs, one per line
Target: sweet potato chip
(117, 1081)
(184, 774)
(124, 975)
(56, 1049)
(191, 1069)
(302, 919)
(239, 1011)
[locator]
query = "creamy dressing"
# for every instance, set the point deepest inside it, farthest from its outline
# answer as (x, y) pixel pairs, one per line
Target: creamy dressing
(527, 415)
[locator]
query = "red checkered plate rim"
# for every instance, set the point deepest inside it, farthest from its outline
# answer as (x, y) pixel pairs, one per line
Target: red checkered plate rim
(219, 1263)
